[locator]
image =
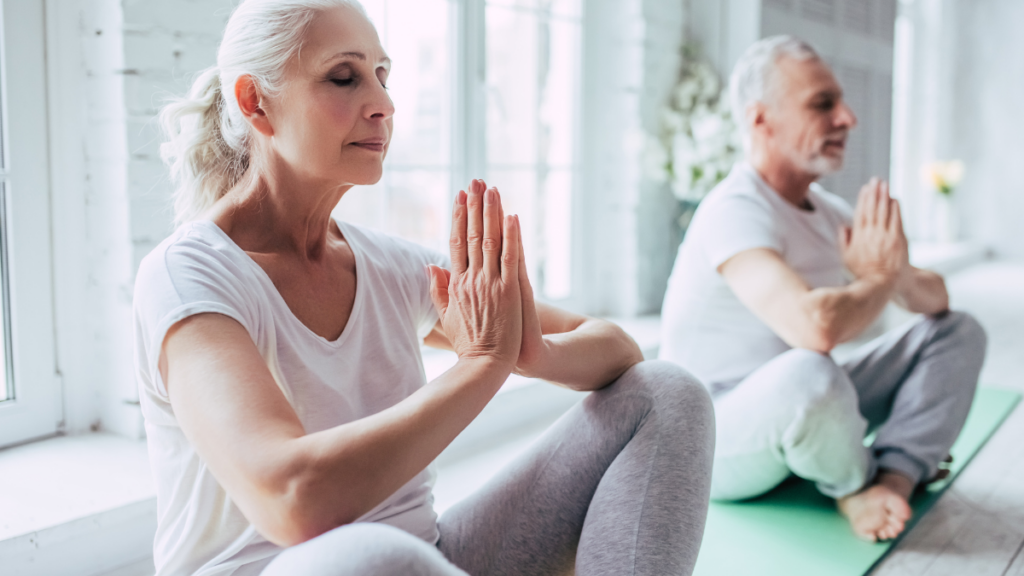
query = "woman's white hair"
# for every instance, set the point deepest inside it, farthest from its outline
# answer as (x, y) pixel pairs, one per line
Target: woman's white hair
(752, 77)
(208, 146)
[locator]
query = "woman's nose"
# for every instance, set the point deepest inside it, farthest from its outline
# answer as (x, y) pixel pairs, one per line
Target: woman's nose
(381, 107)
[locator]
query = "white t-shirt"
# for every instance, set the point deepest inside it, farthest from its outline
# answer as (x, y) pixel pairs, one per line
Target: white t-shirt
(373, 365)
(705, 327)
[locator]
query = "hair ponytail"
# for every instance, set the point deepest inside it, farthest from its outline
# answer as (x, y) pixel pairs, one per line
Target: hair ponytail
(203, 163)
(208, 142)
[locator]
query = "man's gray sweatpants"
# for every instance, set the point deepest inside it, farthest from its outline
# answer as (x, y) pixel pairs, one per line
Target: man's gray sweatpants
(618, 486)
(803, 414)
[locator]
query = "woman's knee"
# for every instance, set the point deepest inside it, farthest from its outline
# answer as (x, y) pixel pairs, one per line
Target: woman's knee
(362, 548)
(665, 381)
(677, 396)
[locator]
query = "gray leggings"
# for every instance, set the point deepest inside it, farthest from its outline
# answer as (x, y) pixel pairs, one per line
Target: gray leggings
(618, 486)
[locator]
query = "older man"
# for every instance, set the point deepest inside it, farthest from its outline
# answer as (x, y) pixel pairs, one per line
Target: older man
(775, 272)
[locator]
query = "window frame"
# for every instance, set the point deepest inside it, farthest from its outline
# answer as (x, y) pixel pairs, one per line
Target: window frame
(469, 133)
(36, 409)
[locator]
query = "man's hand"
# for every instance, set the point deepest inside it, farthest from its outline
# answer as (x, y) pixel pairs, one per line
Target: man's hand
(875, 246)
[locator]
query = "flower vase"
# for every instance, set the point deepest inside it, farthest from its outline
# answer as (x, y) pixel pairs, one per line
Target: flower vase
(946, 220)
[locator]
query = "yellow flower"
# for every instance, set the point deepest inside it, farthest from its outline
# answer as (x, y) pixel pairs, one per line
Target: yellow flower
(943, 176)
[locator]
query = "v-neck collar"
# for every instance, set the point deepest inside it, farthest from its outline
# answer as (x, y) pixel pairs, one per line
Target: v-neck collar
(357, 304)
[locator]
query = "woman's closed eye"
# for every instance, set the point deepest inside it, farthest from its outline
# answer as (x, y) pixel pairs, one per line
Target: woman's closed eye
(351, 81)
(343, 80)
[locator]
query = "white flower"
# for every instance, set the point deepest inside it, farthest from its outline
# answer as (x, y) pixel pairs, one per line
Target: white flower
(681, 189)
(709, 81)
(706, 127)
(655, 160)
(673, 121)
(698, 140)
(684, 155)
(685, 95)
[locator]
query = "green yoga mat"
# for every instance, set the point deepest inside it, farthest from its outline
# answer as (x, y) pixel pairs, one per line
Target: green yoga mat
(795, 531)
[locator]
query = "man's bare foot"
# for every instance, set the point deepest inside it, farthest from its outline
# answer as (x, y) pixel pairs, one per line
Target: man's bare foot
(880, 511)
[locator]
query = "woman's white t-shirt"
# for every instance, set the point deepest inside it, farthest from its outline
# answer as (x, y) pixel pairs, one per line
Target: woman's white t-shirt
(704, 326)
(373, 365)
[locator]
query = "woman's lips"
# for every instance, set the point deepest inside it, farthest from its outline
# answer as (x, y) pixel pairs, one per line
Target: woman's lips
(371, 145)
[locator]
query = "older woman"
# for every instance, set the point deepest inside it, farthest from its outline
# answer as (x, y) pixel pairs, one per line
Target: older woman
(290, 427)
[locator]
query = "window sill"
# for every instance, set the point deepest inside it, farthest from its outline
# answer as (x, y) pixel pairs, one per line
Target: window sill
(80, 505)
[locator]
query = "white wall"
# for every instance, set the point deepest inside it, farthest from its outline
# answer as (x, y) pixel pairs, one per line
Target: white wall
(961, 93)
(631, 62)
(110, 64)
(986, 120)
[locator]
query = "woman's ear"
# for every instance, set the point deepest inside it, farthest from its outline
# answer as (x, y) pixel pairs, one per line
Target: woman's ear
(247, 94)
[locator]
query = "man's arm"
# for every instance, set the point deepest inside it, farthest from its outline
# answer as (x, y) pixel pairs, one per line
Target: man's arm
(875, 250)
(922, 292)
(815, 319)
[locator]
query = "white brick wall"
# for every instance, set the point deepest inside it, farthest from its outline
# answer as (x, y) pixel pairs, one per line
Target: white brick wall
(112, 201)
(165, 44)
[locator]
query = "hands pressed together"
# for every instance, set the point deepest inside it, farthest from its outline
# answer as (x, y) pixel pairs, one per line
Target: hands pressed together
(875, 245)
(485, 303)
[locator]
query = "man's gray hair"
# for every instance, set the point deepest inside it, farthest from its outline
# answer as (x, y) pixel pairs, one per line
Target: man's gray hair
(753, 74)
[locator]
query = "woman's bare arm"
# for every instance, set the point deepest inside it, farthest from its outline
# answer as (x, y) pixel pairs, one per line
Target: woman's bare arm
(564, 348)
(290, 485)
(294, 486)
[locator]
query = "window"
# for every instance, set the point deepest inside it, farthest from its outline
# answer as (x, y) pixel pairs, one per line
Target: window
(501, 104)
(29, 395)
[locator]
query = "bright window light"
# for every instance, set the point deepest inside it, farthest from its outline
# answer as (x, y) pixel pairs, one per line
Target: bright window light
(527, 124)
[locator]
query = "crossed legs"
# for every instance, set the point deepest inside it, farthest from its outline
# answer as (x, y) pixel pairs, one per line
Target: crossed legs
(803, 414)
(618, 486)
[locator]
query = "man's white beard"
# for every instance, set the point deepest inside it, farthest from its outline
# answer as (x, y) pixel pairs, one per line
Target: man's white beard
(823, 165)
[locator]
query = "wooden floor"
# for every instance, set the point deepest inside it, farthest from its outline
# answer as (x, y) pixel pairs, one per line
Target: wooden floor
(977, 527)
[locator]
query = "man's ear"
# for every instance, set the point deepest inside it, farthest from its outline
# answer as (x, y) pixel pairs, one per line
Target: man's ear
(757, 118)
(247, 94)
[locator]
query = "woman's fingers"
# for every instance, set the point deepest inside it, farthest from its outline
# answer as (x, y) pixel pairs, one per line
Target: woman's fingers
(510, 251)
(492, 243)
(531, 322)
(439, 289)
(457, 243)
(475, 224)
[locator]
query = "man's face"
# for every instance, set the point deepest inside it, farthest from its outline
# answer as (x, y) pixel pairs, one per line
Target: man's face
(805, 119)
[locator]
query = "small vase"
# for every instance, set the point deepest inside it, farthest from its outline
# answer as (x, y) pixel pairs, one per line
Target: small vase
(946, 221)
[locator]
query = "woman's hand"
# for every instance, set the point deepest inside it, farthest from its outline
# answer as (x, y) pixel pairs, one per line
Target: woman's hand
(534, 350)
(479, 302)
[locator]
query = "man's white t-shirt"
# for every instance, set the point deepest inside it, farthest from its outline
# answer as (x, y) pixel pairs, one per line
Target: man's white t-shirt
(373, 365)
(705, 327)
